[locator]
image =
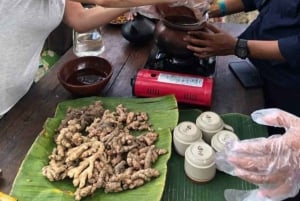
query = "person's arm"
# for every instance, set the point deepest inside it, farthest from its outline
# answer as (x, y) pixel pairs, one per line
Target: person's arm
(290, 48)
(83, 20)
(268, 50)
(225, 7)
(124, 3)
(218, 43)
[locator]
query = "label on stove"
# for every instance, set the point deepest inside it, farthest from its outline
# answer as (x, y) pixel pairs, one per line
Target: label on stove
(180, 80)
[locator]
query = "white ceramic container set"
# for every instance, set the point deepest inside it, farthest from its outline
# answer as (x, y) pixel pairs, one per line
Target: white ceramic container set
(211, 123)
(199, 141)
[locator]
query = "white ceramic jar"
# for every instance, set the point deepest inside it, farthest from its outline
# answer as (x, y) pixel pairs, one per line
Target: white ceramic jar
(199, 163)
(210, 123)
(219, 140)
(184, 134)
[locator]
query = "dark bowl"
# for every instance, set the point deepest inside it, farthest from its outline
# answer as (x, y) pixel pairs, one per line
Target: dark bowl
(85, 76)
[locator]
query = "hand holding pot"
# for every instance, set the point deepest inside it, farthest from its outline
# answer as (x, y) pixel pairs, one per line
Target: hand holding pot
(210, 41)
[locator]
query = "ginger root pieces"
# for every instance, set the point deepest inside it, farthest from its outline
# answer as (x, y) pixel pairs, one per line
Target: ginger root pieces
(95, 148)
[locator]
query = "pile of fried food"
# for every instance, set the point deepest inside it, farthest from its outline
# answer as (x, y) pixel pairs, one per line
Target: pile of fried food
(120, 20)
(95, 148)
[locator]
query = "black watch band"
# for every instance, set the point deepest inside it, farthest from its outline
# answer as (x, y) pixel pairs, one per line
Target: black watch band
(241, 48)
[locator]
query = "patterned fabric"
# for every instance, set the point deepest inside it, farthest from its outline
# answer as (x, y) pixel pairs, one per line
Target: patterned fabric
(47, 60)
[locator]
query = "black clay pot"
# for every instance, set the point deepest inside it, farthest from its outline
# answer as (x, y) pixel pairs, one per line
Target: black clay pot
(139, 30)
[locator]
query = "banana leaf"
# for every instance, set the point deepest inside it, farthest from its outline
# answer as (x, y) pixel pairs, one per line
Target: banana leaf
(31, 185)
(180, 188)
(172, 185)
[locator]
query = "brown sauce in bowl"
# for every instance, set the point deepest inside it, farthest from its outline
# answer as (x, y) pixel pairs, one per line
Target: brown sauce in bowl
(85, 77)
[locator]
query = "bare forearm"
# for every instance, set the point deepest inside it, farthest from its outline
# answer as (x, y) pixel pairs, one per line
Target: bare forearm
(85, 19)
(124, 3)
(216, 42)
(264, 50)
(232, 6)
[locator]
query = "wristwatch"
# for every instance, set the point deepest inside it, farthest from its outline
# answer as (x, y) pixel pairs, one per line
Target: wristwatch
(241, 48)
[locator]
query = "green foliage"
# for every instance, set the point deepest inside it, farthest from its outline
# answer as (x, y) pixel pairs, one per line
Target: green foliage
(31, 185)
(172, 185)
(180, 188)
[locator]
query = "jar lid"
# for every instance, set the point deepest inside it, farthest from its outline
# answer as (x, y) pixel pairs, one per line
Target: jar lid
(200, 154)
(209, 121)
(187, 131)
(221, 138)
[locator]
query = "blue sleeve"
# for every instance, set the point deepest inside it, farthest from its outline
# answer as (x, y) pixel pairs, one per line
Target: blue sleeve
(290, 49)
(251, 5)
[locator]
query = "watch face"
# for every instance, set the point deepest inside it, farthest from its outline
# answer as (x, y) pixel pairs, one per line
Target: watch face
(242, 52)
(242, 49)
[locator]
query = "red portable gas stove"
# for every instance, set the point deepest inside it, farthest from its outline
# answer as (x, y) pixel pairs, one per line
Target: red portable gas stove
(190, 80)
(172, 68)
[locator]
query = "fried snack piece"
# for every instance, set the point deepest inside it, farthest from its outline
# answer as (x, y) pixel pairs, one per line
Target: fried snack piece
(120, 20)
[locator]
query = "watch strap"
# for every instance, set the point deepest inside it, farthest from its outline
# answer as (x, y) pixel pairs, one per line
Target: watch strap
(241, 48)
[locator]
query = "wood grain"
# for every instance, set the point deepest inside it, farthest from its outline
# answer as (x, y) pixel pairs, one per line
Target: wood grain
(20, 126)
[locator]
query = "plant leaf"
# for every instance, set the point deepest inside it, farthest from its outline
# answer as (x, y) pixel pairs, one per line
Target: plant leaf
(31, 185)
(180, 188)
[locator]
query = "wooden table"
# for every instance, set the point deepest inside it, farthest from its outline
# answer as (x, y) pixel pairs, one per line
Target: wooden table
(20, 126)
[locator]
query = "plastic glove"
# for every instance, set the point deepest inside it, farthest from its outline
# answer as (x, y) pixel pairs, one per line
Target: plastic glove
(271, 163)
(199, 7)
(191, 3)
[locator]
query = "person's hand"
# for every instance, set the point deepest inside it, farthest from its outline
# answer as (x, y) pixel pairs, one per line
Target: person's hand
(210, 41)
(271, 163)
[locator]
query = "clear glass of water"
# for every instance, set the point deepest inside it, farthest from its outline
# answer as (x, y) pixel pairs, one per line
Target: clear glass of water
(88, 43)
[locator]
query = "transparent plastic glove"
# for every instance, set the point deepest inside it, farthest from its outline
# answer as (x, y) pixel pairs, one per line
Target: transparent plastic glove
(199, 7)
(191, 3)
(272, 163)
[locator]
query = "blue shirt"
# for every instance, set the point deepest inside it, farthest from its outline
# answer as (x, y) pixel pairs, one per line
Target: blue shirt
(277, 20)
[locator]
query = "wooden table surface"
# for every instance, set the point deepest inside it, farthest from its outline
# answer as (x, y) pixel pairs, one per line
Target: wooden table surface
(20, 126)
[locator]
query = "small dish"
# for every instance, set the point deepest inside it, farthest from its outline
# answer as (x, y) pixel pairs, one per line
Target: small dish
(199, 163)
(122, 19)
(85, 76)
(184, 134)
